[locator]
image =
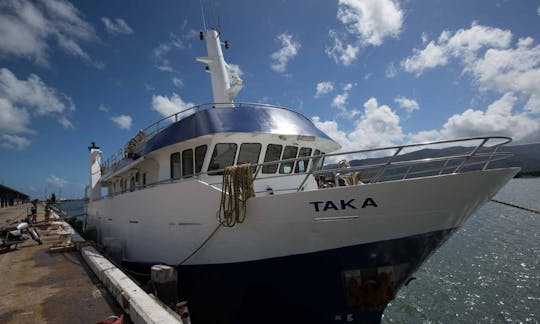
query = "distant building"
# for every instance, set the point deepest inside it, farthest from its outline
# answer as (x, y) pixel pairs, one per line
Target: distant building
(12, 197)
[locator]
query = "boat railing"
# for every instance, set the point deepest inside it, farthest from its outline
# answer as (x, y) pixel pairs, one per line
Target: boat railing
(113, 163)
(379, 167)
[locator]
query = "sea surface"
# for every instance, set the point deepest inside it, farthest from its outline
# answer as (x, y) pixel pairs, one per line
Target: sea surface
(487, 272)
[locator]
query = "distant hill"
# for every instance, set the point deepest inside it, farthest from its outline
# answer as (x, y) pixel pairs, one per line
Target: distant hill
(527, 157)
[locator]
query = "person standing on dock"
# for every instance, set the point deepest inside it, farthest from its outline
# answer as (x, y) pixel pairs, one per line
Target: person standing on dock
(33, 210)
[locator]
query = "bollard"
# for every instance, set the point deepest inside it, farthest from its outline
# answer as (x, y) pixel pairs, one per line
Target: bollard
(165, 281)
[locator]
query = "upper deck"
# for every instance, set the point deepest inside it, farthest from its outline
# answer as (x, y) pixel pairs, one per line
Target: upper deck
(209, 119)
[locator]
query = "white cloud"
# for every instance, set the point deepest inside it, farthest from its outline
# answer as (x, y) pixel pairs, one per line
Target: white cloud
(289, 49)
(391, 70)
(340, 100)
(117, 27)
(409, 105)
(367, 23)
(464, 44)
(14, 142)
(431, 56)
(340, 52)
(104, 108)
(371, 20)
(21, 99)
(379, 126)
(33, 93)
(28, 29)
(122, 121)
(66, 123)
(424, 37)
(324, 88)
(162, 50)
(56, 181)
(498, 119)
(511, 70)
(12, 119)
(177, 82)
(167, 106)
(486, 54)
(376, 126)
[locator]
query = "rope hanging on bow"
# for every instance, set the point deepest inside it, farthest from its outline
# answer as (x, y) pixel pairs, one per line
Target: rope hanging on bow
(236, 190)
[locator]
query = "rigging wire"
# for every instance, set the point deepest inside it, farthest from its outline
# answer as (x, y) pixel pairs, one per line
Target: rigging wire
(516, 206)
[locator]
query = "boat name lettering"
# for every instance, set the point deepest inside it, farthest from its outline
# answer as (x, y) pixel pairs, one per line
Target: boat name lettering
(342, 204)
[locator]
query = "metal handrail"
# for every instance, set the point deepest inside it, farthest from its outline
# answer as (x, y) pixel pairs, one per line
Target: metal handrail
(466, 158)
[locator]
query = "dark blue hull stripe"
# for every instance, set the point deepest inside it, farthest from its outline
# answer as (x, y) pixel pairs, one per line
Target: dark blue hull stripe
(341, 285)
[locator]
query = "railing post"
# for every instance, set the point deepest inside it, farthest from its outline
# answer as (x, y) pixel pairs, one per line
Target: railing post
(381, 172)
(470, 155)
(444, 167)
(490, 156)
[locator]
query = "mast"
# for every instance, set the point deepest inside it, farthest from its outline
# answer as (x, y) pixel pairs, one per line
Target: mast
(226, 83)
(95, 171)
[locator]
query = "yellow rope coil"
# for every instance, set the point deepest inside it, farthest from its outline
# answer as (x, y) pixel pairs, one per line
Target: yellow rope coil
(236, 190)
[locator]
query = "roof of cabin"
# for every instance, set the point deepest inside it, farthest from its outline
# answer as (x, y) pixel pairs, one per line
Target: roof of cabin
(245, 119)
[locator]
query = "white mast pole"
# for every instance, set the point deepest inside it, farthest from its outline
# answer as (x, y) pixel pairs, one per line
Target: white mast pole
(219, 71)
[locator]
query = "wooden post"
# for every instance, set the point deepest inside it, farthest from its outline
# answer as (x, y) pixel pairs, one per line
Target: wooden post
(165, 281)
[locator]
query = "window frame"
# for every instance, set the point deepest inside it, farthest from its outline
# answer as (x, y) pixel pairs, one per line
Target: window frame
(198, 167)
(291, 164)
(179, 169)
(211, 171)
(275, 165)
(297, 166)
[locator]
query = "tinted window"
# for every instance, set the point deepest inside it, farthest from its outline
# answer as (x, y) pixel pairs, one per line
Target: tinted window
(222, 157)
(319, 162)
(301, 166)
(187, 162)
(175, 165)
(273, 153)
(200, 152)
(289, 153)
(249, 153)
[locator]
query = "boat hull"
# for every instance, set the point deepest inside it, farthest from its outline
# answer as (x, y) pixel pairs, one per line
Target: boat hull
(330, 255)
(334, 286)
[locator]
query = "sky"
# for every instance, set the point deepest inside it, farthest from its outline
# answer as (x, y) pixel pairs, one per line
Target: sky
(367, 72)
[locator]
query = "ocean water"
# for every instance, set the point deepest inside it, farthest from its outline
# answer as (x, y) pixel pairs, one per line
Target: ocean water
(487, 272)
(72, 207)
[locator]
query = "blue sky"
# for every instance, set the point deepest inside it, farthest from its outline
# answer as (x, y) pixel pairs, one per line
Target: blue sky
(368, 72)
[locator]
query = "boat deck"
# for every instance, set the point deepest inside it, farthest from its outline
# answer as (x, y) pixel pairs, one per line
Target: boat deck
(42, 287)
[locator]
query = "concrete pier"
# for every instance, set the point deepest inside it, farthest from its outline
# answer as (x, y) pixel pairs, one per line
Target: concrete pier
(40, 287)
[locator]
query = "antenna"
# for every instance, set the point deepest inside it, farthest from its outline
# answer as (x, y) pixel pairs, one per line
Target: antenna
(202, 13)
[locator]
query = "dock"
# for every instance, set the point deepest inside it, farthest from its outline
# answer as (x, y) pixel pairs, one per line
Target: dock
(62, 287)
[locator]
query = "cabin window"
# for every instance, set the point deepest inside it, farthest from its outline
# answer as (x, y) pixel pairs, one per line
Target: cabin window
(288, 153)
(273, 153)
(175, 165)
(144, 179)
(319, 162)
(249, 153)
(187, 162)
(222, 157)
(302, 166)
(200, 152)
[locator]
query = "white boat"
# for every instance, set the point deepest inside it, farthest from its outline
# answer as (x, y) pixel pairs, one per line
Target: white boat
(319, 243)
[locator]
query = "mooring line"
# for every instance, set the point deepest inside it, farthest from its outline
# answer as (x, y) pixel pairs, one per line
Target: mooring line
(516, 206)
